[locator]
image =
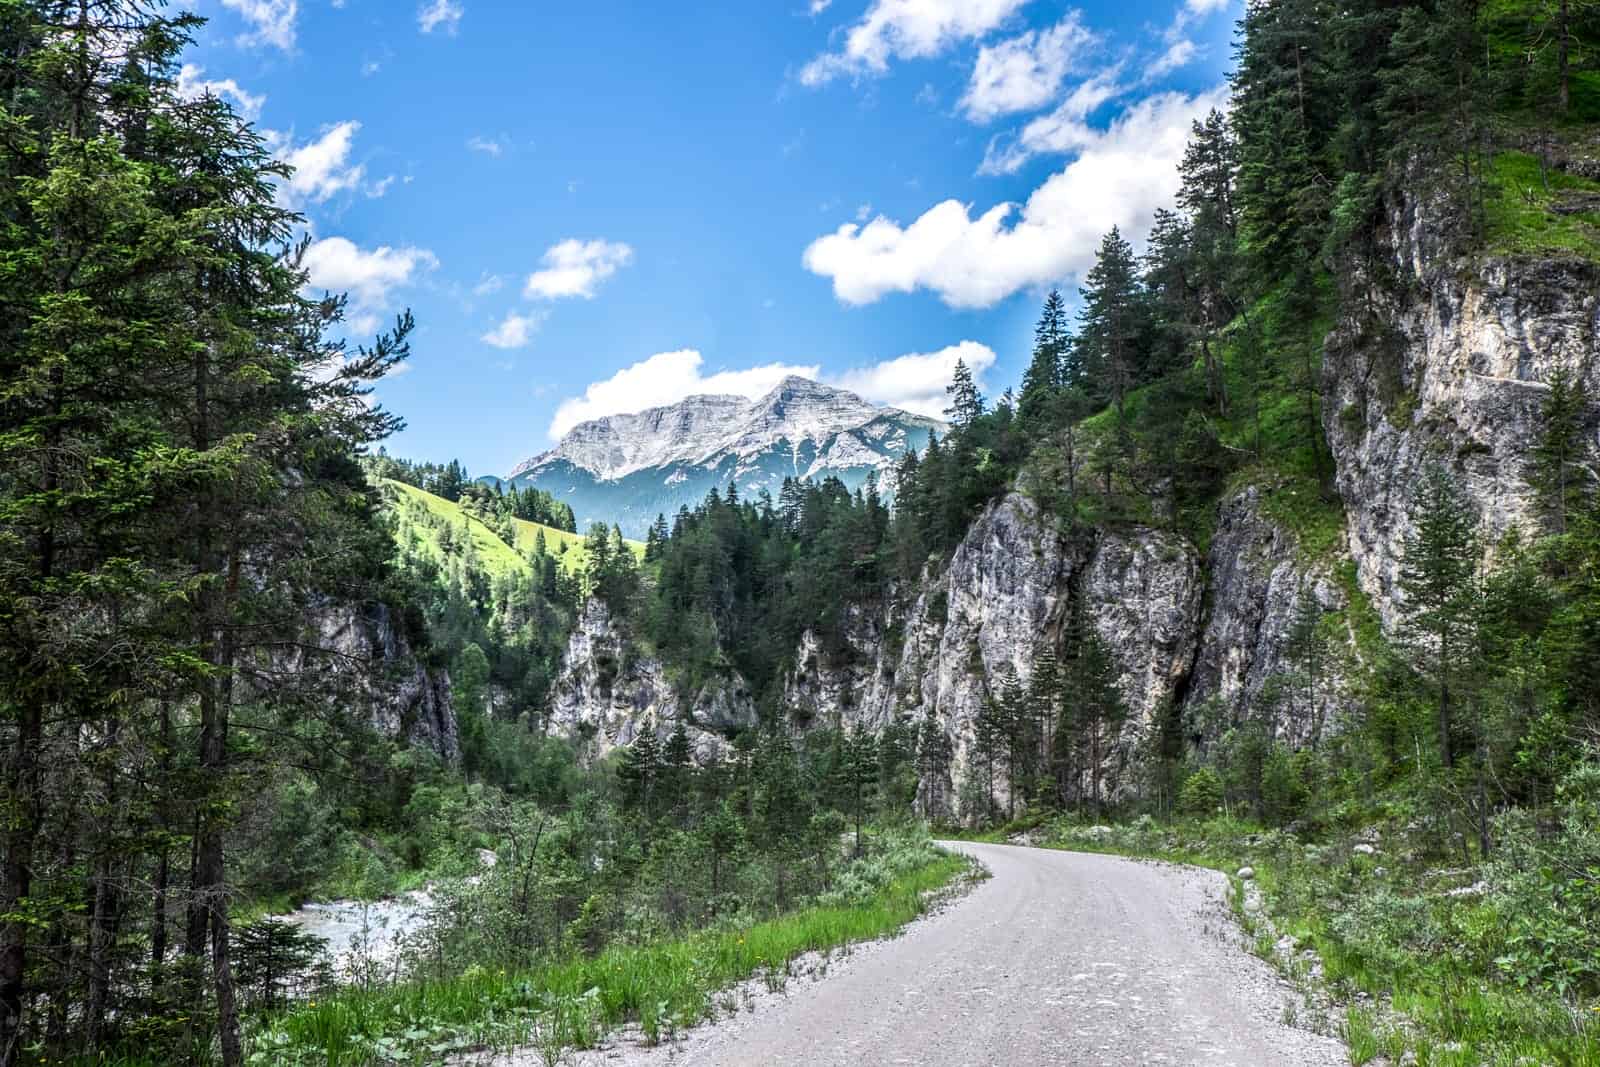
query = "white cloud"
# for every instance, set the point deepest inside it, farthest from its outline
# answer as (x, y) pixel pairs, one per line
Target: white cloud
(489, 146)
(576, 268)
(917, 381)
(1062, 131)
(819, 6)
(273, 21)
(338, 265)
(370, 67)
(1120, 176)
(514, 331)
(1023, 73)
(1179, 54)
(380, 187)
(907, 29)
(446, 13)
(322, 167)
(666, 378)
(487, 284)
(192, 86)
(1206, 7)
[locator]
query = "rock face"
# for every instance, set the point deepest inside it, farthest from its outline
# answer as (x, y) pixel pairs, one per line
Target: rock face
(405, 698)
(1008, 588)
(628, 468)
(1258, 586)
(607, 693)
(1458, 382)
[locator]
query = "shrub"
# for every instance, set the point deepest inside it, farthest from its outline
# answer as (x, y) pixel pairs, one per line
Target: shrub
(1201, 793)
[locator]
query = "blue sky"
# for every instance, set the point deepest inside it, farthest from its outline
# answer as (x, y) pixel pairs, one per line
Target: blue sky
(602, 206)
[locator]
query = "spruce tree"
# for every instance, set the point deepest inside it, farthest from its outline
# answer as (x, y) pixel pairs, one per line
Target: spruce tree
(934, 755)
(1559, 468)
(1098, 710)
(639, 772)
(1307, 650)
(1111, 323)
(1438, 573)
(1044, 377)
(966, 403)
(1044, 710)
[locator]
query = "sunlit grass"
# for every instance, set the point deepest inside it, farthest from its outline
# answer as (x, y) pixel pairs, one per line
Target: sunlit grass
(1519, 217)
(664, 988)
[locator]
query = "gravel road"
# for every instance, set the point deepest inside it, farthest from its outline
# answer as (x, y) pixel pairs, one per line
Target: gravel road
(1058, 958)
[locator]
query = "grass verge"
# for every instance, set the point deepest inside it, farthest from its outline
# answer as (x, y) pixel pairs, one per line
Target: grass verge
(663, 987)
(1402, 960)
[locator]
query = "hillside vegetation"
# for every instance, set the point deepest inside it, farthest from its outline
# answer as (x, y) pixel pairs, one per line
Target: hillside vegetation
(423, 517)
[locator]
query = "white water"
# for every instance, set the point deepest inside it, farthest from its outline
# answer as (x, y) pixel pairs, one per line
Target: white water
(363, 933)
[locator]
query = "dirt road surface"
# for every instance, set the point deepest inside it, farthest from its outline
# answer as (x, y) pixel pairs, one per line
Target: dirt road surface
(1058, 958)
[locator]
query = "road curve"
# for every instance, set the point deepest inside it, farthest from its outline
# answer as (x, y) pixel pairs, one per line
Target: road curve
(1058, 958)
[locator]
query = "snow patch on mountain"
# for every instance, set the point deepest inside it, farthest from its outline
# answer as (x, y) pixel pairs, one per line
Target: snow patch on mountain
(811, 421)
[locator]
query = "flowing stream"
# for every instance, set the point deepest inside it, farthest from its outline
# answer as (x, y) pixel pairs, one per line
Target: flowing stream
(361, 933)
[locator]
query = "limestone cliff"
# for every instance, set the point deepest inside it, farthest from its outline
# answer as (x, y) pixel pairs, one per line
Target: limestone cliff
(1453, 376)
(365, 655)
(1258, 585)
(608, 691)
(1006, 590)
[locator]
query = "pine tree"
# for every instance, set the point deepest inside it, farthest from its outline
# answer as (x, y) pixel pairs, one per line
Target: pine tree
(1559, 468)
(860, 771)
(1110, 324)
(1044, 696)
(1307, 650)
(1017, 724)
(1098, 709)
(934, 756)
(966, 403)
(1044, 377)
(986, 757)
(640, 770)
(1438, 572)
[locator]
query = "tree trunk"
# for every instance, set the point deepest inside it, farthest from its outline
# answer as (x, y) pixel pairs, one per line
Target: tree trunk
(104, 909)
(1446, 754)
(158, 907)
(1563, 61)
(22, 799)
(1214, 379)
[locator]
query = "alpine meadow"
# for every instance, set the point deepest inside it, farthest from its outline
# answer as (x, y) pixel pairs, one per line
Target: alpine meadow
(1127, 592)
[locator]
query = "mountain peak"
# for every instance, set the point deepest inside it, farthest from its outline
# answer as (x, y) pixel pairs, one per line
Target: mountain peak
(799, 428)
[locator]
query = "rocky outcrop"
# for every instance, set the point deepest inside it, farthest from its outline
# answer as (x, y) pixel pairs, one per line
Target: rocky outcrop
(1006, 591)
(1258, 585)
(608, 691)
(365, 653)
(1454, 377)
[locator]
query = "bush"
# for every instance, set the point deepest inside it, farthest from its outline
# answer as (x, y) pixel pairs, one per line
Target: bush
(1547, 886)
(1201, 793)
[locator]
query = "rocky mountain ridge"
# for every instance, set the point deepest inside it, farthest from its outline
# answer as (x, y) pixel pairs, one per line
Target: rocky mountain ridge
(628, 468)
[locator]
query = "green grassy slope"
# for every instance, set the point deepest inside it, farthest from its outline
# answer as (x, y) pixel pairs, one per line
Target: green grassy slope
(410, 503)
(574, 556)
(1520, 215)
